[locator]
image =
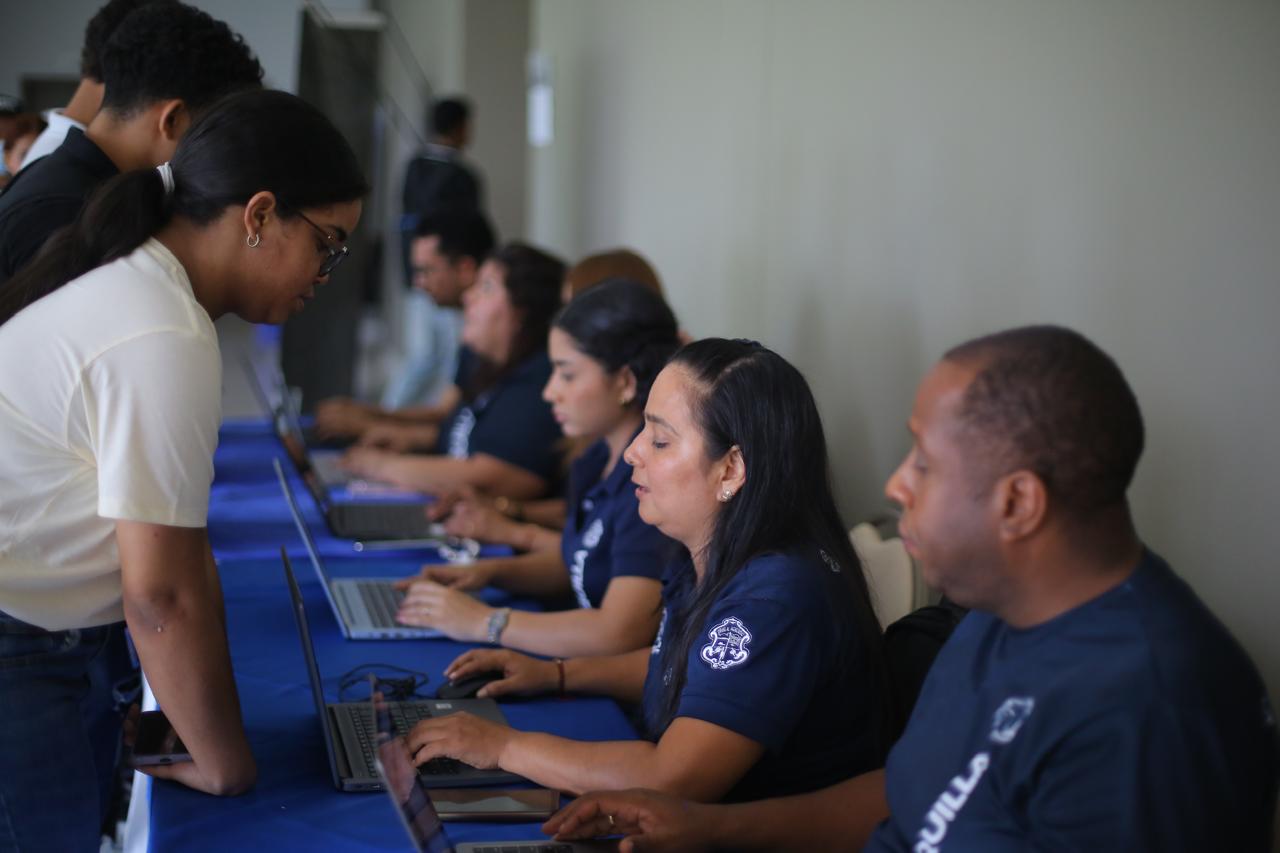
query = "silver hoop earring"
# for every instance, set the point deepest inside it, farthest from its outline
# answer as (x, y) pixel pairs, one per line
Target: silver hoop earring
(252, 242)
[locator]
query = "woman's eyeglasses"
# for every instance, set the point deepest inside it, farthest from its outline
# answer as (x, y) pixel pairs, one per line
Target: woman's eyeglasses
(335, 256)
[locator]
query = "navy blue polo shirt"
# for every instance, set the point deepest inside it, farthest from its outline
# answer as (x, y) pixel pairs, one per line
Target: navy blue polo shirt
(1133, 722)
(47, 195)
(778, 660)
(510, 421)
(604, 537)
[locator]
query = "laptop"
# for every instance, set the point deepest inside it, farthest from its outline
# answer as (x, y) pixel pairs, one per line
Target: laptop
(410, 794)
(275, 410)
(400, 520)
(306, 449)
(367, 521)
(349, 729)
(364, 607)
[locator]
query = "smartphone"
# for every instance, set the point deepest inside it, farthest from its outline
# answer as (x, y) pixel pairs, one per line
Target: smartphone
(488, 804)
(157, 742)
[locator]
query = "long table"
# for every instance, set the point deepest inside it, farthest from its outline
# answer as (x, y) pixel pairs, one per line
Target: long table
(294, 805)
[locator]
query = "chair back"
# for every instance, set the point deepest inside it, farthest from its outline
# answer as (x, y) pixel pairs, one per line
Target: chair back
(890, 574)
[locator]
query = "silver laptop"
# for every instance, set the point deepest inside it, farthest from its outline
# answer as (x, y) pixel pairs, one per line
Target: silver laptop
(349, 729)
(324, 463)
(302, 448)
(364, 607)
(410, 795)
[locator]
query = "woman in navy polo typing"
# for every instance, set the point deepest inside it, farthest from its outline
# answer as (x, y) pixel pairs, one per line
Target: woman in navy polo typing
(501, 436)
(606, 348)
(766, 677)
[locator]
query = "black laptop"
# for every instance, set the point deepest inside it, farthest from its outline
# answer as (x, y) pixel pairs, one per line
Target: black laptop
(349, 728)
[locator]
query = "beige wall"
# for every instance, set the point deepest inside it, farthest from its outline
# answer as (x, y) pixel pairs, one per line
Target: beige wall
(862, 184)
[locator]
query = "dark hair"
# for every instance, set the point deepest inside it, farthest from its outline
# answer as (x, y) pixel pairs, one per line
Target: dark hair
(622, 323)
(24, 124)
(532, 281)
(615, 263)
(253, 141)
(448, 115)
(172, 50)
(750, 397)
(1048, 400)
(99, 29)
(462, 233)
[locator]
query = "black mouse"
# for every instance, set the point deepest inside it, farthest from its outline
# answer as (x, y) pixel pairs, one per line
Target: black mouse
(468, 686)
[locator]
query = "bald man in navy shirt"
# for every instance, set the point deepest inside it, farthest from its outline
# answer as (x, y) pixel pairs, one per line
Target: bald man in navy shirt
(1089, 701)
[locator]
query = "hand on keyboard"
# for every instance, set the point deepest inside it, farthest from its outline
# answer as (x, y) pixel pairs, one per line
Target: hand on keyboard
(460, 736)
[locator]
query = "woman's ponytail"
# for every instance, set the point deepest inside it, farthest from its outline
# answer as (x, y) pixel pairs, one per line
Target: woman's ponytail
(118, 218)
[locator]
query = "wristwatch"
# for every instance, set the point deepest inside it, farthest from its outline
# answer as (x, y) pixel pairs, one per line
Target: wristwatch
(498, 623)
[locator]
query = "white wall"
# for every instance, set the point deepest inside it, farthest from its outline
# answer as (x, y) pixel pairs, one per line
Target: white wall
(862, 184)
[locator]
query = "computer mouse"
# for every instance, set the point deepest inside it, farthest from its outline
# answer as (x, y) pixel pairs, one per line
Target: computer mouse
(465, 688)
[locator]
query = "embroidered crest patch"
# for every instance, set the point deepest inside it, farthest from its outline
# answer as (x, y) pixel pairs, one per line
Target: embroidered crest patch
(1009, 717)
(728, 646)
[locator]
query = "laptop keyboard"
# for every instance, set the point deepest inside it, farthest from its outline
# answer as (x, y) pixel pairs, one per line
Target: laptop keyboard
(329, 469)
(404, 716)
(381, 521)
(381, 600)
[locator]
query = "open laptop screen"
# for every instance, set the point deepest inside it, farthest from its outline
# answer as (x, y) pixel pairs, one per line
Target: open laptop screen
(304, 531)
(402, 783)
(313, 670)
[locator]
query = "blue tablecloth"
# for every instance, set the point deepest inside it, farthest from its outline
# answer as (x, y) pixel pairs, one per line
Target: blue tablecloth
(294, 805)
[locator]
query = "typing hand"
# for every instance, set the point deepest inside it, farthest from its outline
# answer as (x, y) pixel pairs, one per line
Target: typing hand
(521, 675)
(477, 575)
(647, 819)
(387, 437)
(446, 500)
(369, 463)
(461, 736)
(399, 438)
(343, 416)
(431, 605)
(476, 520)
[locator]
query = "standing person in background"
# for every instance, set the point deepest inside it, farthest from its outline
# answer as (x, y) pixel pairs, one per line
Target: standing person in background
(87, 98)
(162, 67)
(106, 443)
(437, 183)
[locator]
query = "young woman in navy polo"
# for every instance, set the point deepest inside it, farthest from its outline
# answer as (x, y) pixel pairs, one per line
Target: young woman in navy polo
(606, 348)
(766, 677)
(506, 314)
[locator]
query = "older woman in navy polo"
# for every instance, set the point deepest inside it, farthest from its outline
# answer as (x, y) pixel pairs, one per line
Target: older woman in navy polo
(767, 676)
(606, 347)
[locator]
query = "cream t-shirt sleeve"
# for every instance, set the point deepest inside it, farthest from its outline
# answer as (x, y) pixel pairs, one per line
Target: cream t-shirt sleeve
(153, 405)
